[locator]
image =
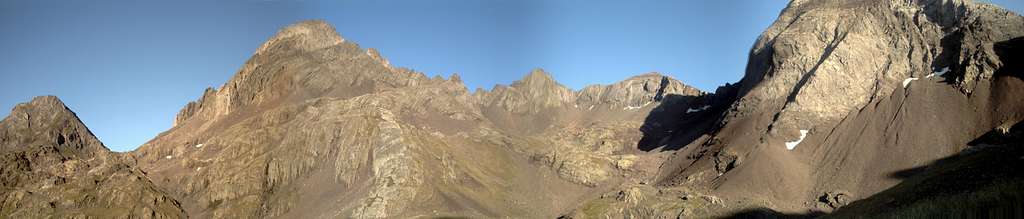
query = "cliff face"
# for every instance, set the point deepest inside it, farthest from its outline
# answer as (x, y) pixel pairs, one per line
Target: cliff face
(840, 94)
(52, 165)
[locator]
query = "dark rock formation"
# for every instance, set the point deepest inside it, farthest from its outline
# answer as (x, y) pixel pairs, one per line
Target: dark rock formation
(52, 166)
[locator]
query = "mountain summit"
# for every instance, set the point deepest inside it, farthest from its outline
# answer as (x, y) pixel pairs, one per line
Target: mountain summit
(307, 35)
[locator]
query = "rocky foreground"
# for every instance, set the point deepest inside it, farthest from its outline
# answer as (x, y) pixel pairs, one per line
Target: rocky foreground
(858, 103)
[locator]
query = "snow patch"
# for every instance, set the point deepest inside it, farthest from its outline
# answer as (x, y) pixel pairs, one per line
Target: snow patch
(790, 145)
(169, 157)
(575, 106)
(198, 168)
(591, 107)
(698, 109)
(938, 73)
(199, 145)
(907, 81)
(636, 107)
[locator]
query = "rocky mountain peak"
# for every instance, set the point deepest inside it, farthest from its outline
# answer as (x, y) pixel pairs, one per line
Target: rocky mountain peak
(535, 79)
(455, 78)
(636, 92)
(306, 35)
(43, 121)
(535, 92)
(53, 166)
(46, 121)
(305, 60)
(652, 74)
(40, 106)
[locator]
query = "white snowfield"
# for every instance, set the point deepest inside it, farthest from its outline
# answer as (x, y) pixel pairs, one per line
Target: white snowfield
(790, 145)
(636, 107)
(169, 157)
(702, 108)
(199, 145)
(907, 81)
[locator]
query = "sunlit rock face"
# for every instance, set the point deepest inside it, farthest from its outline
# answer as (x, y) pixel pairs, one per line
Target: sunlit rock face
(840, 94)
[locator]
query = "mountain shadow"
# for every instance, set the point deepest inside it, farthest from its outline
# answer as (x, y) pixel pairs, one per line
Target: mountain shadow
(982, 181)
(677, 121)
(766, 213)
(1011, 54)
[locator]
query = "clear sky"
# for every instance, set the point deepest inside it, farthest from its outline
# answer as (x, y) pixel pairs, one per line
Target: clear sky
(127, 67)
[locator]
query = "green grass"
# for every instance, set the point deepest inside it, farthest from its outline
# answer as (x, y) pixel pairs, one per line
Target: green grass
(999, 200)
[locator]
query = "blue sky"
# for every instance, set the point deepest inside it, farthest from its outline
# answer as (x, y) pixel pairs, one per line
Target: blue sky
(127, 67)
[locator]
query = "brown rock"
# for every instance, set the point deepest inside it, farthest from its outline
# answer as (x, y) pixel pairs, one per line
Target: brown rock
(52, 166)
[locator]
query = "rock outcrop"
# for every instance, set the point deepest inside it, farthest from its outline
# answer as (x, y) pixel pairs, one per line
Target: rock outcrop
(52, 166)
(534, 93)
(635, 92)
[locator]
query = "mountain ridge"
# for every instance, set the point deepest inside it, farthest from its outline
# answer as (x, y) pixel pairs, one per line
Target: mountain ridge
(528, 123)
(832, 109)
